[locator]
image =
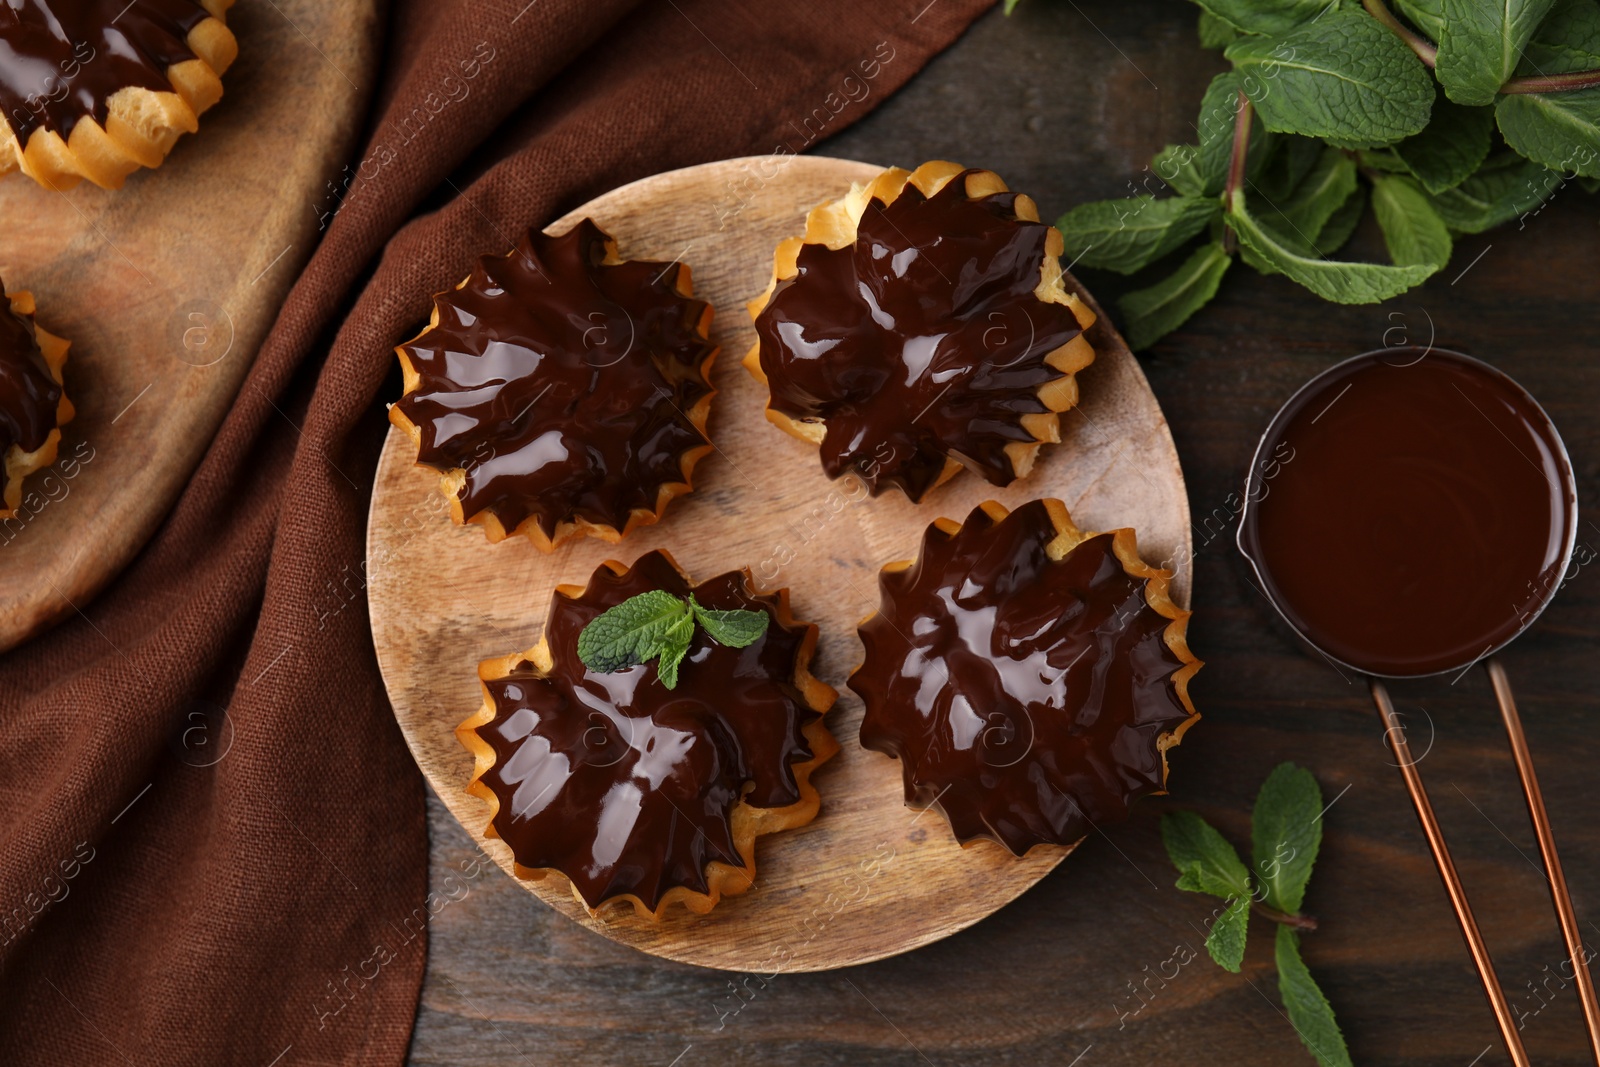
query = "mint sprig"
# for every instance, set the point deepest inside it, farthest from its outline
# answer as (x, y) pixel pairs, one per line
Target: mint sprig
(1444, 116)
(1286, 834)
(656, 625)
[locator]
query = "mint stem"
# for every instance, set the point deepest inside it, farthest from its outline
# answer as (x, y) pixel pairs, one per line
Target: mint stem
(1303, 923)
(1425, 50)
(1416, 42)
(1553, 83)
(1236, 162)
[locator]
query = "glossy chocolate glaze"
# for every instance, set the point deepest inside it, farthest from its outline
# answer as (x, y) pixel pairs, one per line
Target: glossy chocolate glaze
(29, 396)
(625, 786)
(62, 60)
(561, 385)
(1023, 696)
(922, 340)
(1422, 517)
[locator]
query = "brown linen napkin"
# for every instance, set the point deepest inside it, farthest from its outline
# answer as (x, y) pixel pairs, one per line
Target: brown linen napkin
(212, 837)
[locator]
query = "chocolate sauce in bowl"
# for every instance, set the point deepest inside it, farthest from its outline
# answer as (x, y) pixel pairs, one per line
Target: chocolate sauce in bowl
(1419, 512)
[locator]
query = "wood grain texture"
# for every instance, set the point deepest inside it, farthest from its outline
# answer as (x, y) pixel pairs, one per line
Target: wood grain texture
(166, 288)
(868, 878)
(1068, 102)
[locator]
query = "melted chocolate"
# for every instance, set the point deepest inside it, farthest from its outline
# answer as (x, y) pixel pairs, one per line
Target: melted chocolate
(62, 60)
(560, 384)
(1023, 696)
(625, 786)
(1422, 515)
(29, 396)
(920, 341)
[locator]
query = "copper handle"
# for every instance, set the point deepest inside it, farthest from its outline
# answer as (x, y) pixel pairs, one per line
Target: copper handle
(1547, 848)
(1447, 873)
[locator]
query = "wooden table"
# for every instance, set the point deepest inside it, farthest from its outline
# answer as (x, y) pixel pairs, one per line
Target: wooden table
(1070, 109)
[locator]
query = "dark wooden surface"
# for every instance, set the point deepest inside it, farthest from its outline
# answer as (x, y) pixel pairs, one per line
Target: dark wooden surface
(1070, 109)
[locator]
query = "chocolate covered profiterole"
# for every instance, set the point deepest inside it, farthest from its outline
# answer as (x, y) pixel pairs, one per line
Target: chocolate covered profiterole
(922, 324)
(1029, 677)
(33, 404)
(98, 88)
(641, 793)
(561, 390)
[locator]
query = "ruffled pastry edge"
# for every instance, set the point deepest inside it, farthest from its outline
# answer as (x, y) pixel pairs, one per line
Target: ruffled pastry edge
(141, 125)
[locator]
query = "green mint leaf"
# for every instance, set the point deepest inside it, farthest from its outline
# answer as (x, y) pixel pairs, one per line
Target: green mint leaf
(1559, 130)
(1308, 1009)
(1480, 45)
(1307, 208)
(1412, 229)
(631, 632)
(1126, 235)
(657, 625)
(1341, 224)
(1385, 160)
(1202, 169)
(1343, 283)
(1256, 262)
(1568, 40)
(1219, 113)
(674, 646)
(1154, 312)
(734, 627)
(1286, 832)
(1252, 16)
(1291, 162)
(1226, 940)
(1455, 143)
(1504, 188)
(1344, 78)
(1207, 862)
(1214, 32)
(1425, 15)
(1179, 166)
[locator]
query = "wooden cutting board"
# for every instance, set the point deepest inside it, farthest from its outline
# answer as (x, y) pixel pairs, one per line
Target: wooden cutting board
(868, 878)
(166, 287)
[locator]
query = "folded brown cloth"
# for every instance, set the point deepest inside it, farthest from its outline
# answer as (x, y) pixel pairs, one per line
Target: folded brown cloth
(212, 838)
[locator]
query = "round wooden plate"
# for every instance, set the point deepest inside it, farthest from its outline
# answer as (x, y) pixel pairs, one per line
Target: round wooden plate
(165, 288)
(869, 877)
